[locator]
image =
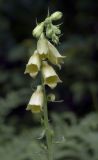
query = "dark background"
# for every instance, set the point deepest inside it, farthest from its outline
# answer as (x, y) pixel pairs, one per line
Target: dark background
(79, 43)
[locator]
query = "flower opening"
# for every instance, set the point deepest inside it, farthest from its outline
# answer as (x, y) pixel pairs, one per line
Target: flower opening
(49, 75)
(33, 65)
(36, 101)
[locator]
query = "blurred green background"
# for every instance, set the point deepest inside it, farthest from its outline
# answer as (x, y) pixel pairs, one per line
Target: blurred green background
(77, 132)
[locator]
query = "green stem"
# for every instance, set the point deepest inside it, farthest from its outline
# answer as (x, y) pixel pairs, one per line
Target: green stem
(46, 124)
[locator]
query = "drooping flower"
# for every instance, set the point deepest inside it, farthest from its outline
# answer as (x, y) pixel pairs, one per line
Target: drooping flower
(38, 30)
(54, 56)
(49, 75)
(33, 65)
(42, 46)
(37, 100)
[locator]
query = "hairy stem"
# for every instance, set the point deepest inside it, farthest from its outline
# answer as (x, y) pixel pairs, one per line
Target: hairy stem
(46, 125)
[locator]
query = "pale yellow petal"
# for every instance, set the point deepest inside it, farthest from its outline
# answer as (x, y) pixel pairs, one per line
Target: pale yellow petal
(33, 65)
(36, 101)
(54, 56)
(49, 75)
(42, 47)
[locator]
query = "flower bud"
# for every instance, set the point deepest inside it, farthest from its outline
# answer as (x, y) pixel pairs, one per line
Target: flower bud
(55, 39)
(49, 75)
(33, 65)
(49, 31)
(38, 30)
(56, 16)
(47, 20)
(37, 100)
(42, 46)
(51, 97)
(56, 29)
(54, 56)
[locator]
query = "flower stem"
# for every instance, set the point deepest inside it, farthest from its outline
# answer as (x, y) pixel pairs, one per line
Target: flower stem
(46, 125)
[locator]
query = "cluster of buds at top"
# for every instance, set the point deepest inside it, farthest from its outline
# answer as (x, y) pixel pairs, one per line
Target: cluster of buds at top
(41, 60)
(52, 31)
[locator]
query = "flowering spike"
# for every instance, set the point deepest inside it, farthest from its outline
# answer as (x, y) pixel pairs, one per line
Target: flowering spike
(37, 62)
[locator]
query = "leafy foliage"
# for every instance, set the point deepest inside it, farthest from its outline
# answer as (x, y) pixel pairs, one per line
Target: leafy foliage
(73, 139)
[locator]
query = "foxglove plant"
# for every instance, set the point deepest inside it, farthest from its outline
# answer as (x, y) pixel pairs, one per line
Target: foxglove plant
(41, 60)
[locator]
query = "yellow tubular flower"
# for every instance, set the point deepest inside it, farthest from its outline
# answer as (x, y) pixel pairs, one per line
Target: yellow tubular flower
(33, 65)
(42, 46)
(37, 100)
(54, 56)
(49, 75)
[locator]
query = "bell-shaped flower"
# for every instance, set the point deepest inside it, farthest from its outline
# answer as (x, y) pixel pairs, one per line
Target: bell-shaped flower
(38, 30)
(37, 100)
(42, 46)
(54, 56)
(49, 75)
(33, 65)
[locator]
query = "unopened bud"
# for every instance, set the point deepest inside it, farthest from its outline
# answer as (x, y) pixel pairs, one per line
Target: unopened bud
(55, 39)
(56, 29)
(56, 16)
(49, 32)
(47, 21)
(38, 30)
(51, 97)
